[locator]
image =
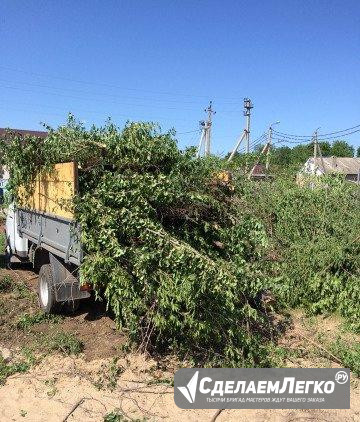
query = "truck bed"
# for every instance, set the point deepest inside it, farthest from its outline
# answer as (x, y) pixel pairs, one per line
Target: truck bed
(58, 235)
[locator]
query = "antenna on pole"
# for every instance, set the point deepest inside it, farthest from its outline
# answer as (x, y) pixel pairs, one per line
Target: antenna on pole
(205, 137)
(248, 105)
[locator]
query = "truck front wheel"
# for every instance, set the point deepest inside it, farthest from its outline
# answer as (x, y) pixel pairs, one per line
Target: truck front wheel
(46, 290)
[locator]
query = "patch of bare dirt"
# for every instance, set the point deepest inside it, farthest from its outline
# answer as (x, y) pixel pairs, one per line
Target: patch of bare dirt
(87, 390)
(91, 324)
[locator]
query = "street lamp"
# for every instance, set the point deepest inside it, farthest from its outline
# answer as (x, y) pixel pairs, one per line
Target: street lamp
(273, 124)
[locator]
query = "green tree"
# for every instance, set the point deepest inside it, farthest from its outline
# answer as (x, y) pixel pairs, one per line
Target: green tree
(325, 147)
(342, 149)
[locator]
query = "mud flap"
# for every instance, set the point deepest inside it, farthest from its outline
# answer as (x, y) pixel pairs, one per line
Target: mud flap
(66, 285)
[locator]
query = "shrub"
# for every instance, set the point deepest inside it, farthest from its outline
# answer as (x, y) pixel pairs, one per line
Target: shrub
(314, 237)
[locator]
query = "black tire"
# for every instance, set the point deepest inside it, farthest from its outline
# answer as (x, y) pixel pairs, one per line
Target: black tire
(46, 292)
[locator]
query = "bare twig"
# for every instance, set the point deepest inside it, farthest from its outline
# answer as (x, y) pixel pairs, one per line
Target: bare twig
(217, 413)
(336, 359)
(72, 410)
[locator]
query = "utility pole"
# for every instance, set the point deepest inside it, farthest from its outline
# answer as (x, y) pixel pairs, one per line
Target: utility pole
(202, 137)
(315, 144)
(317, 150)
(210, 112)
(269, 144)
(248, 105)
(247, 112)
(205, 137)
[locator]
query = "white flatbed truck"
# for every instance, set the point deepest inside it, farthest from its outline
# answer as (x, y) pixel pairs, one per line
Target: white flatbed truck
(49, 240)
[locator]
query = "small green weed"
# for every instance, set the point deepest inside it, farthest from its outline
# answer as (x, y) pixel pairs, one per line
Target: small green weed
(66, 343)
(2, 242)
(348, 354)
(352, 326)
(117, 416)
(8, 369)
(21, 290)
(51, 384)
(109, 375)
(161, 381)
(6, 284)
(9, 285)
(26, 320)
(28, 354)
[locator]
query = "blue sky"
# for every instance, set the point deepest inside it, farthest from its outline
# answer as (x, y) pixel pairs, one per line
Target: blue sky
(163, 60)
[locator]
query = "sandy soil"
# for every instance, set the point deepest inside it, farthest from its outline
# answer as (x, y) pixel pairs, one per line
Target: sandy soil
(104, 378)
(51, 390)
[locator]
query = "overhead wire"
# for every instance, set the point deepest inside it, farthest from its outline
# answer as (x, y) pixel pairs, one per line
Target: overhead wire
(323, 136)
(107, 94)
(288, 141)
(64, 95)
(190, 131)
(111, 86)
(253, 143)
(280, 137)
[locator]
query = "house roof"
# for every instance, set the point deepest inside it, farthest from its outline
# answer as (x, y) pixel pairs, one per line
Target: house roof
(344, 165)
(259, 170)
(23, 132)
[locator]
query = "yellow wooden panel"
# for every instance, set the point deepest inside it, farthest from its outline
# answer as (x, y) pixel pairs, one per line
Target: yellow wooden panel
(53, 192)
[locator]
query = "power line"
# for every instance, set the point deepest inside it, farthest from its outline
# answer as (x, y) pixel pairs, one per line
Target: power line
(93, 99)
(291, 136)
(287, 141)
(190, 131)
(254, 143)
(42, 75)
(321, 138)
(102, 94)
(343, 132)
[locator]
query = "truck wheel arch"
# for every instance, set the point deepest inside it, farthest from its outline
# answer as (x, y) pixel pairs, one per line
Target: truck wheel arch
(38, 257)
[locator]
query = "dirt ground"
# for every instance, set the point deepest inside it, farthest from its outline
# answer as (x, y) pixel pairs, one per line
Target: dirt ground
(106, 378)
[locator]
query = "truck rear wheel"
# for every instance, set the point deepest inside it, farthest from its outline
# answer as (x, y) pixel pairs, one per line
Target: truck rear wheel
(46, 292)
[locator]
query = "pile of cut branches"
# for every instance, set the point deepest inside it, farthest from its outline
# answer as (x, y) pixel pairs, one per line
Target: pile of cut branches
(163, 239)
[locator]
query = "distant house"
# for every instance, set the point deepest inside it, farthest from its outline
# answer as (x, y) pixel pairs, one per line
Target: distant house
(348, 166)
(7, 134)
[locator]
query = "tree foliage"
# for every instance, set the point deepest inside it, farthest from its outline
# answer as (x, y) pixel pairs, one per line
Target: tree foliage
(285, 156)
(314, 242)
